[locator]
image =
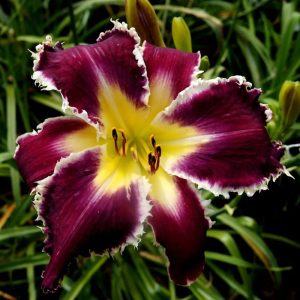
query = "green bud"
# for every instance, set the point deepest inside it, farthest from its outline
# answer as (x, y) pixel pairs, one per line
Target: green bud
(181, 35)
(289, 102)
(141, 15)
(204, 64)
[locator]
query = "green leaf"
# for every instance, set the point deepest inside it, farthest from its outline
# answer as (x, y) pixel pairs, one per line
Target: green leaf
(202, 289)
(214, 23)
(236, 261)
(11, 137)
(251, 59)
(24, 262)
(227, 277)
(254, 43)
(53, 101)
(32, 39)
(254, 241)
(84, 279)
(227, 240)
(18, 232)
(30, 275)
(19, 215)
(145, 276)
(4, 156)
(289, 19)
(281, 239)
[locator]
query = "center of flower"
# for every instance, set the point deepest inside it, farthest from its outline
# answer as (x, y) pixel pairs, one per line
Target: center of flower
(147, 153)
(154, 158)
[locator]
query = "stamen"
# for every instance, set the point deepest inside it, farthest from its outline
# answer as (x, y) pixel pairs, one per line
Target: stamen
(157, 156)
(158, 151)
(153, 142)
(152, 161)
(123, 142)
(114, 134)
(115, 137)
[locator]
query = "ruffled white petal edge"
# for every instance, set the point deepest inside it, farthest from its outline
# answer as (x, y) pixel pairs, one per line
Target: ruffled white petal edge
(196, 71)
(204, 204)
(47, 84)
(199, 85)
(40, 128)
(217, 190)
(137, 52)
(142, 183)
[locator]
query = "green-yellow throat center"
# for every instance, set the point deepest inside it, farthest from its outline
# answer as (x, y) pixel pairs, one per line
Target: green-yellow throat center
(147, 153)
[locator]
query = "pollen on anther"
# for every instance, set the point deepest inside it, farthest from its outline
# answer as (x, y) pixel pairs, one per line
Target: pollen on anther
(152, 163)
(153, 142)
(115, 137)
(158, 151)
(114, 134)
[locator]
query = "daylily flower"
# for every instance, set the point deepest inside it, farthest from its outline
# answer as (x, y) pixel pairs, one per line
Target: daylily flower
(144, 130)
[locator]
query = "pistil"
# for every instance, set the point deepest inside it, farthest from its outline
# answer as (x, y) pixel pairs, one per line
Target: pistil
(134, 154)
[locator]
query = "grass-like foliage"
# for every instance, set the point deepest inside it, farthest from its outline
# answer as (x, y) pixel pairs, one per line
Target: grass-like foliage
(253, 249)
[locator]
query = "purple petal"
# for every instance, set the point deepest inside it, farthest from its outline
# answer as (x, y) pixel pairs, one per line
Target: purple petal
(234, 151)
(86, 74)
(169, 72)
(80, 215)
(179, 223)
(38, 152)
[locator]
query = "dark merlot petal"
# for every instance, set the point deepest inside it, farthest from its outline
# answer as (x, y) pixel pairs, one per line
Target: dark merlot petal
(81, 215)
(86, 74)
(169, 72)
(38, 152)
(179, 224)
(231, 150)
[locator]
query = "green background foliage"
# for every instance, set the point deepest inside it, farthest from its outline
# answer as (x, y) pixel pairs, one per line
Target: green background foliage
(252, 251)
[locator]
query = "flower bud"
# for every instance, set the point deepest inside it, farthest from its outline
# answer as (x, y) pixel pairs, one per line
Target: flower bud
(141, 15)
(181, 35)
(289, 102)
(204, 64)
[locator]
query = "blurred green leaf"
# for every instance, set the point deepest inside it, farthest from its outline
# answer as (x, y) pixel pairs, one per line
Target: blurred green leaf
(214, 23)
(11, 137)
(255, 242)
(4, 156)
(24, 262)
(202, 289)
(86, 276)
(16, 232)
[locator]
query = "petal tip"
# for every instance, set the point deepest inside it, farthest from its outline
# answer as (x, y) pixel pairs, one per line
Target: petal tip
(137, 51)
